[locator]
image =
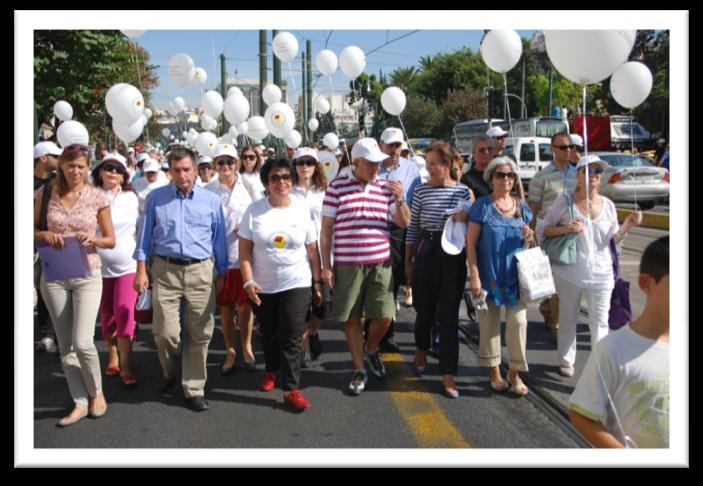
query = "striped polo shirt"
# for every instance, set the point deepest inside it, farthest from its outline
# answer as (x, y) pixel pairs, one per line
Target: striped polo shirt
(548, 184)
(429, 211)
(362, 212)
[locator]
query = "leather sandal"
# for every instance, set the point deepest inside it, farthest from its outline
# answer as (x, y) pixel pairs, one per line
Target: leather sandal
(519, 388)
(128, 380)
(499, 386)
(112, 370)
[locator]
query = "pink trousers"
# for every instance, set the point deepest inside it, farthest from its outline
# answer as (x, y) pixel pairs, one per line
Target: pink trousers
(117, 306)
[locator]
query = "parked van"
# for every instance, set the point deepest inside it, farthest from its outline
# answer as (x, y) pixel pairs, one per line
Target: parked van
(531, 154)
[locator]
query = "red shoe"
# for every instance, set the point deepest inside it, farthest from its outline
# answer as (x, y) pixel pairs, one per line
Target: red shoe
(112, 370)
(296, 400)
(269, 382)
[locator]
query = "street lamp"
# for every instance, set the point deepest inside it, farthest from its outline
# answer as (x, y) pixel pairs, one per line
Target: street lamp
(524, 107)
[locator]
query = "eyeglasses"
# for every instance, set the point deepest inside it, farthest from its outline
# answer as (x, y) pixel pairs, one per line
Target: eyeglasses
(279, 177)
(113, 168)
(77, 147)
(394, 144)
(483, 150)
(503, 175)
(248, 157)
(307, 162)
(564, 147)
(223, 162)
(595, 170)
(203, 166)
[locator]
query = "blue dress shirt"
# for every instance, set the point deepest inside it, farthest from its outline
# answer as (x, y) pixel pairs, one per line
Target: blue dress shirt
(183, 227)
(407, 173)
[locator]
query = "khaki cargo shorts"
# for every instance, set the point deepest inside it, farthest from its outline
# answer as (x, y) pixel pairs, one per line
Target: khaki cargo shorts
(363, 291)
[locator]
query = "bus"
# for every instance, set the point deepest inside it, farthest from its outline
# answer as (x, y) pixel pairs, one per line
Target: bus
(465, 132)
(539, 126)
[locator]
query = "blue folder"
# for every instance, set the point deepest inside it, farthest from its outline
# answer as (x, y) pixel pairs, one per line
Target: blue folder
(71, 261)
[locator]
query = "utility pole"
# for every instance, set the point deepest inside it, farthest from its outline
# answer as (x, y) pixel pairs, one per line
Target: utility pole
(308, 70)
(303, 102)
(522, 95)
(262, 70)
(223, 90)
(277, 69)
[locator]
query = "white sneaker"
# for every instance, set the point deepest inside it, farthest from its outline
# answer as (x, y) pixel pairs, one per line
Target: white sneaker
(566, 371)
(47, 344)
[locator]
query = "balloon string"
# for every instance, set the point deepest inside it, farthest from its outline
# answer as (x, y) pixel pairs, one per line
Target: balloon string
(632, 151)
(406, 135)
(331, 112)
(506, 104)
(588, 199)
(295, 93)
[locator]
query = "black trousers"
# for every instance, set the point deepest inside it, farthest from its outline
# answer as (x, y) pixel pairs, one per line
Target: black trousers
(282, 318)
(438, 287)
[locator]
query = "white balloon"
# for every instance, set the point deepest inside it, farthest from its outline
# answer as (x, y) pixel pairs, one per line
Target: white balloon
(293, 139)
(212, 103)
(172, 110)
(128, 133)
(313, 124)
(242, 128)
(352, 61)
(588, 56)
(285, 46)
(71, 132)
(133, 34)
(271, 94)
(501, 50)
(236, 108)
(179, 103)
(172, 137)
(191, 138)
(207, 122)
(329, 164)
(393, 100)
(326, 62)
(165, 132)
(184, 134)
(148, 113)
(199, 76)
(280, 119)
(419, 161)
(234, 90)
(63, 110)
(331, 141)
(206, 144)
(631, 84)
(124, 103)
(144, 120)
(256, 129)
(322, 106)
(181, 69)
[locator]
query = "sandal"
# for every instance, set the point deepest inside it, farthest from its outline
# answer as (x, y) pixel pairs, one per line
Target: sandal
(128, 380)
(499, 386)
(112, 370)
(519, 388)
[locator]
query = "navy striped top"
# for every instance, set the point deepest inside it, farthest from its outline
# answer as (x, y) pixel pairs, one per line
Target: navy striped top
(429, 206)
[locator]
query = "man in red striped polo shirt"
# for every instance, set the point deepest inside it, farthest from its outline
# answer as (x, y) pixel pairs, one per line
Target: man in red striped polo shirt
(355, 215)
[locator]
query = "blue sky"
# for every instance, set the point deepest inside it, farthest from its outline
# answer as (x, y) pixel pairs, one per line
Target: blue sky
(241, 49)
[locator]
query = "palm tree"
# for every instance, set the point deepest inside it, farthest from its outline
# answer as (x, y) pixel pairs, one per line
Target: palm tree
(403, 77)
(426, 63)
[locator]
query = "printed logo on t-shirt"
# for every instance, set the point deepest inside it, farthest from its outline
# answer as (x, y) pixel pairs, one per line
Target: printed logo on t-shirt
(279, 240)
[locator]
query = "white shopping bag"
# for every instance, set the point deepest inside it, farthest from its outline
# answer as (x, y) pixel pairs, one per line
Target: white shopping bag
(144, 300)
(535, 275)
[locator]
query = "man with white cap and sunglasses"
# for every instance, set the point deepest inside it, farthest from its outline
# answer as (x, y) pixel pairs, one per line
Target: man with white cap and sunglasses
(46, 161)
(356, 214)
(577, 148)
(206, 173)
(500, 137)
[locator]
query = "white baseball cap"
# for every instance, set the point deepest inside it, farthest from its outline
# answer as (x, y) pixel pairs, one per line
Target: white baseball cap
(130, 149)
(404, 145)
(392, 135)
(453, 236)
(576, 139)
(142, 157)
(367, 148)
(204, 159)
(151, 165)
(495, 132)
(305, 152)
(165, 166)
(116, 157)
(591, 159)
(46, 148)
(225, 150)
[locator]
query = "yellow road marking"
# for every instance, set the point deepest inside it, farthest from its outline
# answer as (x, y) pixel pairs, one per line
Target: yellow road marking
(419, 409)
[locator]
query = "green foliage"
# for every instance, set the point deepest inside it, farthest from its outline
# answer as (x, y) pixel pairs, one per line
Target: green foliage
(79, 66)
(421, 117)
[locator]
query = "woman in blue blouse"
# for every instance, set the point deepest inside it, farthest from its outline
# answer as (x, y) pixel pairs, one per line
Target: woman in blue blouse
(498, 229)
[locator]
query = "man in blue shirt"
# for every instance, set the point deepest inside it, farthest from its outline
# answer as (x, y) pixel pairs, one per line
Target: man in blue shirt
(397, 168)
(183, 229)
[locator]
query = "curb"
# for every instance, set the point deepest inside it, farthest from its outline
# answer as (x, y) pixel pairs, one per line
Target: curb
(649, 220)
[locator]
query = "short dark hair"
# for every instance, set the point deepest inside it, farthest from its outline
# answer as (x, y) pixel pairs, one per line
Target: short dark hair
(179, 153)
(655, 259)
(560, 134)
(98, 181)
(279, 163)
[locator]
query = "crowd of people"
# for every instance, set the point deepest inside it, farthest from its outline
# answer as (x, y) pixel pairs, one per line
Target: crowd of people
(270, 238)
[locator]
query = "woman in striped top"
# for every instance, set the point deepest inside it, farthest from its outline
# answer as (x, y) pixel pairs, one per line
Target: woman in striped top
(438, 277)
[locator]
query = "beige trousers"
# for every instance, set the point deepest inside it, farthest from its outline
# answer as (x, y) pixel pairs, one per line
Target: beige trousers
(194, 284)
(515, 335)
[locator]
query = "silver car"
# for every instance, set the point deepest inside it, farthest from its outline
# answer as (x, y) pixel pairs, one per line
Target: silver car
(633, 178)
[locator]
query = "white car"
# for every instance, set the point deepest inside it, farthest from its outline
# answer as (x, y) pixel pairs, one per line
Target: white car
(633, 178)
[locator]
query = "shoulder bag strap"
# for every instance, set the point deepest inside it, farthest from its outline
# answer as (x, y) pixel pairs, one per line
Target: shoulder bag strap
(46, 196)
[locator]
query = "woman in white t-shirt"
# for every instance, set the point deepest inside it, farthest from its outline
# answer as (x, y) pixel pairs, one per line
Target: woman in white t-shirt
(277, 248)
(310, 186)
(118, 267)
(250, 169)
(596, 222)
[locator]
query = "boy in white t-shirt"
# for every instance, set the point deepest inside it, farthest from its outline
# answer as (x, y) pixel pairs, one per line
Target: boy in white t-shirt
(622, 396)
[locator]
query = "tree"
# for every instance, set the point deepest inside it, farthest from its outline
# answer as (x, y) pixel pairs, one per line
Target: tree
(460, 106)
(79, 66)
(403, 77)
(421, 117)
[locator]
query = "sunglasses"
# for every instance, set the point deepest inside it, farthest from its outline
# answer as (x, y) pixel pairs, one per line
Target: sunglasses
(483, 150)
(309, 163)
(203, 166)
(280, 177)
(503, 175)
(113, 168)
(564, 147)
(501, 137)
(248, 157)
(223, 162)
(77, 147)
(596, 170)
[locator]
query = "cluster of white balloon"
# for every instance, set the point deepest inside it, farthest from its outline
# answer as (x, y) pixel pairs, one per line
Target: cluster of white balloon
(125, 104)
